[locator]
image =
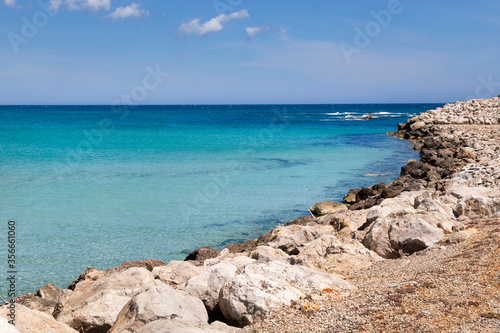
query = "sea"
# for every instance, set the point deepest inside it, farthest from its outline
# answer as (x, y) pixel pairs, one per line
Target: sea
(100, 185)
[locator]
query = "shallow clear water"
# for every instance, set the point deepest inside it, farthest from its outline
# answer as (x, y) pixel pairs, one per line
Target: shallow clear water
(94, 186)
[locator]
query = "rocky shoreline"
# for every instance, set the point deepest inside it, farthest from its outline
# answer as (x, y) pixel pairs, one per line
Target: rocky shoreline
(298, 270)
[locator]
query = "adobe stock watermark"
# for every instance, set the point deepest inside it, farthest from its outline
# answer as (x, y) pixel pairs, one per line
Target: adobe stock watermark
(226, 6)
(486, 88)
(31, 27)
(120, 109)
(372, 29)
(11, 273)
(220, 181)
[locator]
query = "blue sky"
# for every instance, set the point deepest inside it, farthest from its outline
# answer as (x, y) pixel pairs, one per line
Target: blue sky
(248, 51)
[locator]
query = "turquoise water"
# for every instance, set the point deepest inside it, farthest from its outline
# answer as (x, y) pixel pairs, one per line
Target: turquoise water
(97, 186)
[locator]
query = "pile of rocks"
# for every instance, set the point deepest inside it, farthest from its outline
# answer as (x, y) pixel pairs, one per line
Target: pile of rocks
(457, 179)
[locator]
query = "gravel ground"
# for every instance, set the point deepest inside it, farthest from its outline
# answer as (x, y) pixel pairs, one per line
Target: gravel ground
(446, 288)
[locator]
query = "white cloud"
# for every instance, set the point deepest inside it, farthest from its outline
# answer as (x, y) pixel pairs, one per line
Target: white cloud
(81, 4)
(97, 4)
(9, 3)
(213, 25)
(128, 11)
(253, 31)
(55, 4)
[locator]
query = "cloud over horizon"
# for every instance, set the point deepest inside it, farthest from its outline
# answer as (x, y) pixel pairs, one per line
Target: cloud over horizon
(213, 25)
(132, 10)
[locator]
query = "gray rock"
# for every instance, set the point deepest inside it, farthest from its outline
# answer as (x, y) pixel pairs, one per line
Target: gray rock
(391, 237)
(411, 234)
(377, 239)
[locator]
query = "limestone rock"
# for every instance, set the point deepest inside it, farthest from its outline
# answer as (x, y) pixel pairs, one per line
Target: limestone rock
(349, 220)
(157, 301)
(327, 207)
(94, 305)
(263, 286)
(267, 253)
(238, 260)
(303, 220)
(147, 264)
(411, 234)
(203, 254)
(176, 273)
(391, 237)
(477, 202)
(377, 239)
(350, 197)
(47, 299)
(206, 285)
(249, 296)
(5, 327)
(245, 247)
(32, 321)
(288, 239)
(332, 254)
(178, 326)
(90, 274)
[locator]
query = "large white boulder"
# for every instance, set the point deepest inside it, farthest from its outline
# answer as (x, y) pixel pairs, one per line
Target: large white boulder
(158, 301)
(266, 285)
(94, 305)
(206, 285)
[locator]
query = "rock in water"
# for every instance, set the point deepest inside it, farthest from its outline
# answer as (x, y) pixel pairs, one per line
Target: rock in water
(202, 254)
(327, 207)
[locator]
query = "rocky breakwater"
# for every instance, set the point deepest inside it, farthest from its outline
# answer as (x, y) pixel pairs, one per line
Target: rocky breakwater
(303, 262)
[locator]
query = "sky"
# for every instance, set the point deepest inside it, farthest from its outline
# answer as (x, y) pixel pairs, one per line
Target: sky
(248, 51)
